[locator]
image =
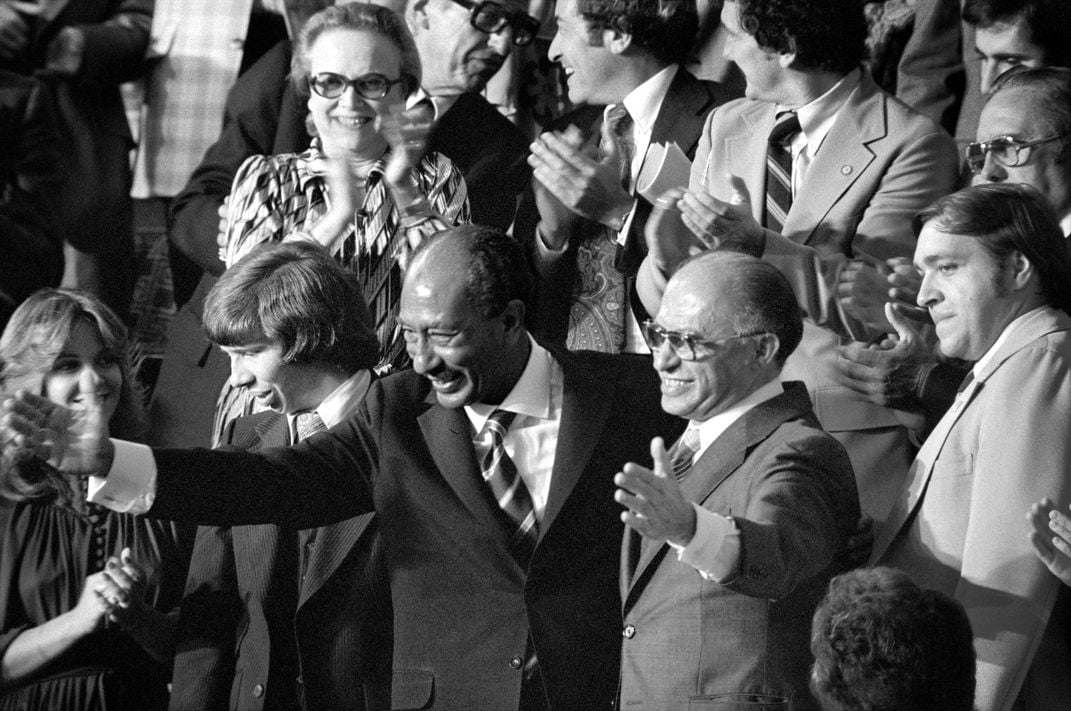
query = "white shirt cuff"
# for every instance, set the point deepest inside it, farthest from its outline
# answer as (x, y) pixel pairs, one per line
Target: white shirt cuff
(545, 252)
(714, 550)
(130, 486)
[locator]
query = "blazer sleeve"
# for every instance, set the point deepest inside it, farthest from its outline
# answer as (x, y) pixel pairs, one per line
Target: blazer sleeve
(1008, 593)
(115, 48)
(206, 638)
(796, 519)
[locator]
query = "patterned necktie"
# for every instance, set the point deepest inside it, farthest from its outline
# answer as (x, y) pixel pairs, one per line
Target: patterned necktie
(681, 454)
(621, 126)
(779, 170)
(308, 424)
(510, 493)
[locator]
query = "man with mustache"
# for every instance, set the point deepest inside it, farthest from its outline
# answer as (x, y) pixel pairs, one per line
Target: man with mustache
(490, 468)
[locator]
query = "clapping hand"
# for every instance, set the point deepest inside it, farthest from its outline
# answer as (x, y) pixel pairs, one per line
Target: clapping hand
(724, 225)
(1051, 538)
(125, 582)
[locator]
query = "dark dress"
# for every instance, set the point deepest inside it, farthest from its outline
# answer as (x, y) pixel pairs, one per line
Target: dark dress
(46, 553)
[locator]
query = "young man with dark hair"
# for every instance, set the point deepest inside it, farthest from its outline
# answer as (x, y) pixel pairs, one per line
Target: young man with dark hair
(815, 166)
(622, 62)
(995, 269)
(1018, 33)
(274, 617)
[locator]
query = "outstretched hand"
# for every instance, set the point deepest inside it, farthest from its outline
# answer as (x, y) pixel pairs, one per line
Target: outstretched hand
(656, 507)
(73, 441)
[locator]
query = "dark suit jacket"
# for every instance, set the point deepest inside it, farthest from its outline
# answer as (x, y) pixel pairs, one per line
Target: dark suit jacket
(789, 487)
(680, 120)
(250, 638)
(464, 608)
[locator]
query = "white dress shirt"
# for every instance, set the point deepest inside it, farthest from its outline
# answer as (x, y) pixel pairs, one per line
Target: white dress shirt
(533, 435)
(714, 550)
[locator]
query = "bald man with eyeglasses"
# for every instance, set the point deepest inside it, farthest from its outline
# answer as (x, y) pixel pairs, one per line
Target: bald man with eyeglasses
(735, 532)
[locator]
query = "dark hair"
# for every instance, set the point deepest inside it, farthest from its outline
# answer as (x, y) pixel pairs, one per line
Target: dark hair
(355, 16)
(497, 273)
(762, 298)
(296, 294)
(825, 35)
(1005, 218)
(32, 340)
(1048, 21)
(881, 643)
(666, 29)
(1052, 108)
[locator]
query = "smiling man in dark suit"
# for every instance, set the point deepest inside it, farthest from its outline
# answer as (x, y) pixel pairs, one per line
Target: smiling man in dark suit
(735, 534)
(503, 575)
(273, 617)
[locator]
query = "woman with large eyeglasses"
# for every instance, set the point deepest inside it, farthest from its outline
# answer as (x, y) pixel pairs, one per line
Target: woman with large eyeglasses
(365, 190)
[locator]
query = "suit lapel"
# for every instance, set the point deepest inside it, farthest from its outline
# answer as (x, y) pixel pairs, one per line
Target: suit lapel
(683, 112)
(840, 161)
(745, 157)
(447, 433)
(585, 408)
(717, 463)
(333, 544)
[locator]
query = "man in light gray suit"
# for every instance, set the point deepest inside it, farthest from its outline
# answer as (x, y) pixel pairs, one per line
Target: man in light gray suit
(736, 532)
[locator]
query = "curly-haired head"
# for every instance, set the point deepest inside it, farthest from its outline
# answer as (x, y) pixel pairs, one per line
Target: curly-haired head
(664, 28)
(881, 643)
(827, 35)
(29, 348)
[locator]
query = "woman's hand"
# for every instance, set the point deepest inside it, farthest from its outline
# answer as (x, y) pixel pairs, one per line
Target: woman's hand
(407, 133)
(126, 587)
(94, 604)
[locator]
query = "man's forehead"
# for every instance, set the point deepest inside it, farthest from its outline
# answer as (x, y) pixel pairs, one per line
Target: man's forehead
(1007, 39)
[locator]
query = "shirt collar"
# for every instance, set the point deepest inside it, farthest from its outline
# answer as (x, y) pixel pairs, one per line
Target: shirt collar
(1002, 339)
(645, 101)
(817, 117)
(531, 394)
(710, 430)
(343, 401)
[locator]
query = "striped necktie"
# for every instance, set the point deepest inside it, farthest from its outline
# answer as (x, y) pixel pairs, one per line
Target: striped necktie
(621, 126)
(510, 493)
(308, 424)
(682, 453)
(779, 170)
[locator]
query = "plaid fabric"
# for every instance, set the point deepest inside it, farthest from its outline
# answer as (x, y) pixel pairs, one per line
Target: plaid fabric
(274, 196)
(197, 46)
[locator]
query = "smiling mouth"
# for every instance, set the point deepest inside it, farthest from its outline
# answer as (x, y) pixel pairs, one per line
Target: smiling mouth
(445, 382)
(674, 383)
(353, 121)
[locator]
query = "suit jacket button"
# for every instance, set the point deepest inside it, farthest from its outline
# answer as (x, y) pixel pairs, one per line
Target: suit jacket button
(516, 663)
(629, 632)
(258, 690)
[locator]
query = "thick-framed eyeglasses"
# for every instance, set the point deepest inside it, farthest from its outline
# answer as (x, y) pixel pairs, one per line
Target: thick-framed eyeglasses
(491, 17)
(685, 345)
(1007, 150)
(370, 86)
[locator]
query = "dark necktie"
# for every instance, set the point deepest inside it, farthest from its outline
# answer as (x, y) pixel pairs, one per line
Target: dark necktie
(308, 424)
(779, 170)
(681, 454)
(510, 493)
(621, 126)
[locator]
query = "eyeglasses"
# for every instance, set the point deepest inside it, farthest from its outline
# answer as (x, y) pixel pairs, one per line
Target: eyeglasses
(370, 86)
(491, 17)
(685, 345)
(1006, 150)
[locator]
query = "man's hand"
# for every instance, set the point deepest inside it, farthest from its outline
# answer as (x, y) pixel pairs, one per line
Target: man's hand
(887, 374)
(75, 442)
(669, 241)
(724, 225)
(864, 287)
(656, 507)
(588, 186)
(14, 33)
(126, 589)
(1051, 538)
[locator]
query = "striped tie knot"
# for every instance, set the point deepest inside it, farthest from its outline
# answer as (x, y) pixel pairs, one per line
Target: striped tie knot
(788, 124)
(506, 485)
(683, 451)
(308, 424)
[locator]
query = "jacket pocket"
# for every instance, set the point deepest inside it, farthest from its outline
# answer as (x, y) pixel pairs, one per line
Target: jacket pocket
(411, 689)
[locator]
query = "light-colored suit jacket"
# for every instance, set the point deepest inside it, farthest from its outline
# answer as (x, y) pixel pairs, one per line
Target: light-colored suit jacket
(790, 489)
(880, 163)
(960, 528)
